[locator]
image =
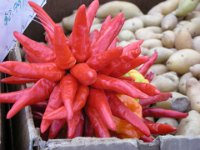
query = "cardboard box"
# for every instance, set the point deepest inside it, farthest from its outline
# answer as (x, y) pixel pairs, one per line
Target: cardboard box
(26, 136)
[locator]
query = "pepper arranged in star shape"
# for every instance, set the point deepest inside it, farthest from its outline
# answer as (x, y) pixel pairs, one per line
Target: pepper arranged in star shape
(87, 80)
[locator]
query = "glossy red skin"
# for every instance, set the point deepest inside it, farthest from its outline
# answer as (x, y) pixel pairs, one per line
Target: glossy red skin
(84, 74)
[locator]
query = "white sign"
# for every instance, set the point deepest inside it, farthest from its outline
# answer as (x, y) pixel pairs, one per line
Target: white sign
(15, 15)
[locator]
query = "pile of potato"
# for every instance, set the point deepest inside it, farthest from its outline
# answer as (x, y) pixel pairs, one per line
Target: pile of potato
(172, 28)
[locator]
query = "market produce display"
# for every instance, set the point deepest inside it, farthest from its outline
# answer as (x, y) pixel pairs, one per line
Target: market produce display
(115, 72)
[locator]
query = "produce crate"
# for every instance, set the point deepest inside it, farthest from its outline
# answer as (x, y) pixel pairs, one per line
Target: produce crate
(26, 136)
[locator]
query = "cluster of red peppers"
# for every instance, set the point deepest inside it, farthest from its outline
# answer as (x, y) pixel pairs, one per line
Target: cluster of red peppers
(83, 81)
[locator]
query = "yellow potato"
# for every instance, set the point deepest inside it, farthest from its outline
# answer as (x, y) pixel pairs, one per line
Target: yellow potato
(155, 29)
(192, 27)
(112, 8)
(165, 7)
(163, 54)
(195, 70)
(196, 43)
(166, 82)
(193, 88)
(151, 43)
(126, 35)
(158, 69)
(133, 24)
(190, 125)
(151, 20)
(182, 60)
(185, 7)
(169, 22)
(182, 82)
(192, 15)
(183, 39)
(68, 22)
(144, 34)
(168, 39)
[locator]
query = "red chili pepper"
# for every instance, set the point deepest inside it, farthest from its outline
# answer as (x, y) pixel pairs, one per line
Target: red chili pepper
(31, 96)
(59, 113)
(159, 112)
(125, 65)
(79, 102)
(120, 110)
(17, 80)
(53, 103)
(121, 66)
(35, 50)
(143, 70)
(84, 74)
(68, 86)
(91, 11)
(105, 25)
(108, 35)
(94, 36)
(157, 98)
(98, 125)
(98, 101)
(73, 124)
(132, 50)
(79, 128)
(55, 128)
(147, 88)
(79, 38)
(149, 76)
(159, 128)
(32, 70)
(101, 60)
(46, 21)
(146, 138)
(117, 85)
(64, 57)
(81, 98)
(114, 43)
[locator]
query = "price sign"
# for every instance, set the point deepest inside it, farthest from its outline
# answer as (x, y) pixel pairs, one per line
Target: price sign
(15, 15)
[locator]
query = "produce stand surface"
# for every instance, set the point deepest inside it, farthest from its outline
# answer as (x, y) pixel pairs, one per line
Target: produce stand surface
(26, 136)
